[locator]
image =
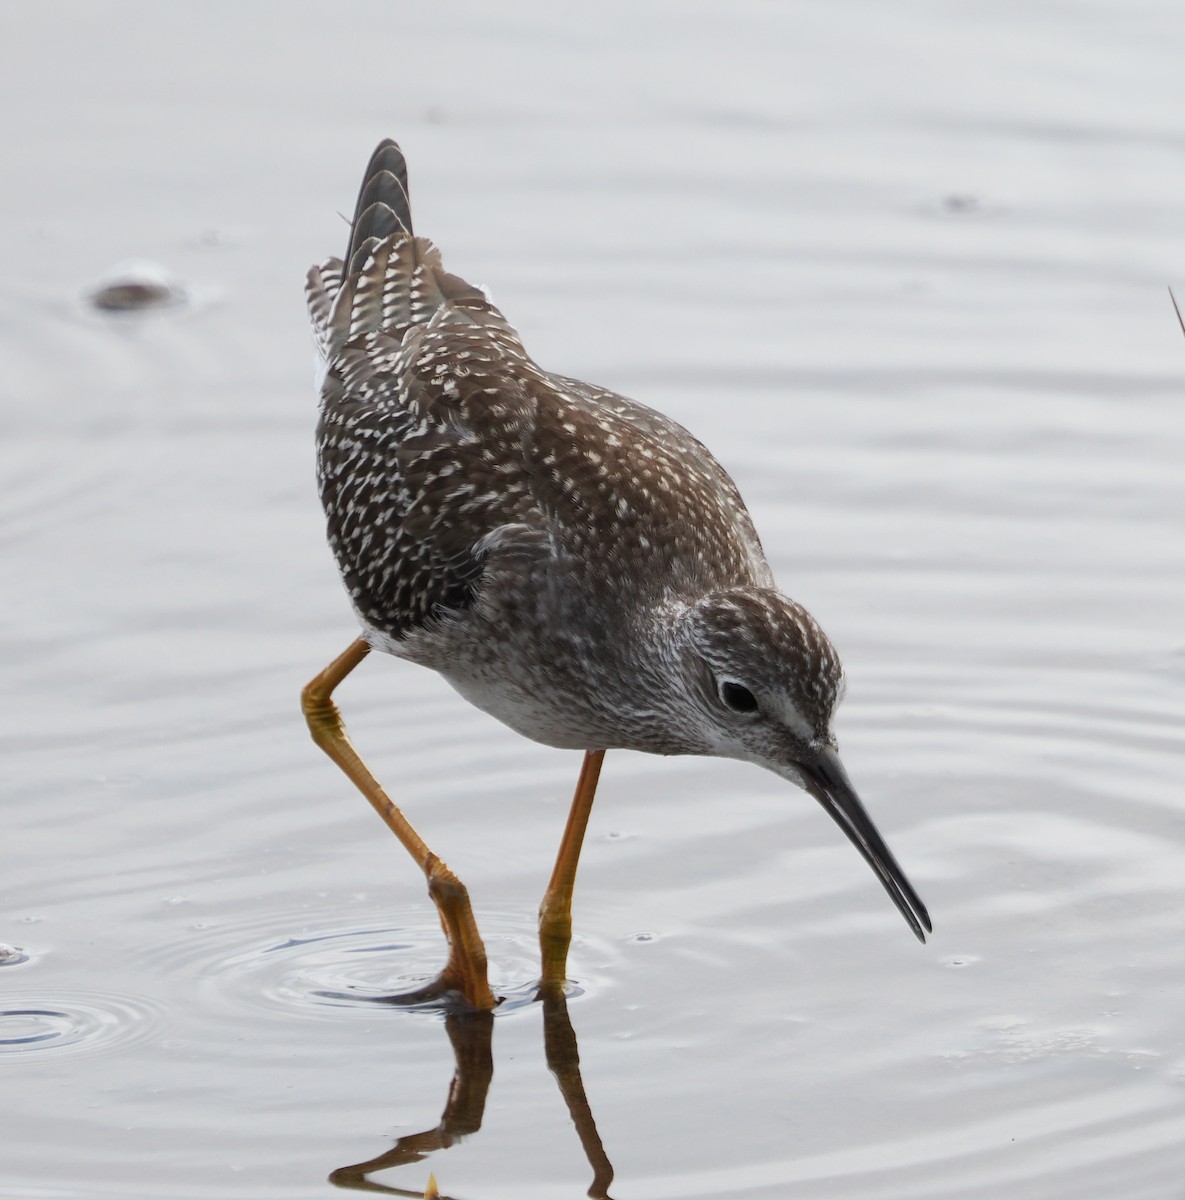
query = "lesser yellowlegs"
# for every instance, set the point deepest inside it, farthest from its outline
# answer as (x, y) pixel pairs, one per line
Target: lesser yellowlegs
(572, 562)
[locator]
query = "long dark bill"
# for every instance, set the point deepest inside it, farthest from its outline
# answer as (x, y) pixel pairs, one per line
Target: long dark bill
(828, 782)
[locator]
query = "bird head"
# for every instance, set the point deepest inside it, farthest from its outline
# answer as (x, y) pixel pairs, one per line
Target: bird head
(763, 682)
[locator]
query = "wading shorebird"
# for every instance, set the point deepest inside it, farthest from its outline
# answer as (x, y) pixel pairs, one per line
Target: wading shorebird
(572, 562)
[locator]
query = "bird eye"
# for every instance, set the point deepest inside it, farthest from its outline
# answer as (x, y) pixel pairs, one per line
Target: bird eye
(737, 697)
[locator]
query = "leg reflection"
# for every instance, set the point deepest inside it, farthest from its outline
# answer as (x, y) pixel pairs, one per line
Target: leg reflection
(471, 1035)
(563, 1058)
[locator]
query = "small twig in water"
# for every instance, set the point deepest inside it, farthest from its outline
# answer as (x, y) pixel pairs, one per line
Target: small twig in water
(1180, 319)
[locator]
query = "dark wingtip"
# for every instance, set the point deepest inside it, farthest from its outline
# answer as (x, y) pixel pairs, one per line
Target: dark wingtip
(383, 206)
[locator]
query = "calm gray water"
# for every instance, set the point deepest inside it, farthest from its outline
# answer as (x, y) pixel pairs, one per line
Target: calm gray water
(903, 267)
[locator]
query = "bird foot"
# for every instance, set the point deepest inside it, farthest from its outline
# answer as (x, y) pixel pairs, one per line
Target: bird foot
(446, 993)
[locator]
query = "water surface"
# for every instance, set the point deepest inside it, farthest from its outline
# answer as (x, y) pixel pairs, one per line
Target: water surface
(904, 270)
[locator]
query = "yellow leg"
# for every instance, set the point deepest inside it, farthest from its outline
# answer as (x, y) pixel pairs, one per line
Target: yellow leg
(555, 913)
(465, 971)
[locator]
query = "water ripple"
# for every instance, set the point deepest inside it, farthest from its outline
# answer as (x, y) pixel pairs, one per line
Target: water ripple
(35, 1022)
(257, 966)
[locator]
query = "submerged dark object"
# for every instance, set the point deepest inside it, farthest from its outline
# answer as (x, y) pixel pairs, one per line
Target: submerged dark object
(136, 287)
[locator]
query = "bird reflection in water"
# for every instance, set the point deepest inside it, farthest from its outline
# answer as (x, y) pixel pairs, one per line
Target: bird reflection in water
(471, 1035)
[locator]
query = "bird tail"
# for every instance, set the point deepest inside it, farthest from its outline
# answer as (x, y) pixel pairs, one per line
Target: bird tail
(389, 279)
